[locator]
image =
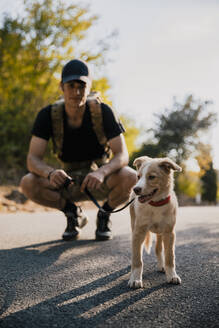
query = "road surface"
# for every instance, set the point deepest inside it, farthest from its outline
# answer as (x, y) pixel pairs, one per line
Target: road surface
(45, 282)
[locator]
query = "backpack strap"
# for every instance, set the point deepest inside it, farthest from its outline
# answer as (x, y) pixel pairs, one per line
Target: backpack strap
(97, 120)
(94, 103)
(57, 116)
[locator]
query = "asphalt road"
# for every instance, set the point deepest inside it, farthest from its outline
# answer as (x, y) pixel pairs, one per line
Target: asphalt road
(45, 282)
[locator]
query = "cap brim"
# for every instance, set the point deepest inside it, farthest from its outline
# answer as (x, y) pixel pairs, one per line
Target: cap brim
(76, 77)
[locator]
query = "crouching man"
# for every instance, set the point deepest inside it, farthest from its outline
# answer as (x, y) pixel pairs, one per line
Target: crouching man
(84, 132)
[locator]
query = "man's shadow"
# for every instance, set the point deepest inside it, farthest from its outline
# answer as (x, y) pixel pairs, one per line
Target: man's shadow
(22, 262)
(99, 298)
(87, 305)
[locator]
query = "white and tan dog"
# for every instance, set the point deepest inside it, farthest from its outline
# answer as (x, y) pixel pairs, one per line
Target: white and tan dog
(154, 210)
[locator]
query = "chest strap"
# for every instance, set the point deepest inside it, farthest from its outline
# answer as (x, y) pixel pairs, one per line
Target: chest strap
(97, 120)
(57, 117)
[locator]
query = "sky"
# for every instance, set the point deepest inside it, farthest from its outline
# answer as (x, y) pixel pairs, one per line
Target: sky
(163, 49)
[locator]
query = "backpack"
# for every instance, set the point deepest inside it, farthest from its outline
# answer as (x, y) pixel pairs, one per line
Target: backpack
(57, 116)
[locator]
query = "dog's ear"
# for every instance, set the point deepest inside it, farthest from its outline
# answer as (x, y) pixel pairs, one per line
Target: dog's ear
(167, 164)
(138, 161)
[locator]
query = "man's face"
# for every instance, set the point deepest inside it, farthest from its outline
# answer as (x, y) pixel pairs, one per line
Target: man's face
(75, 92)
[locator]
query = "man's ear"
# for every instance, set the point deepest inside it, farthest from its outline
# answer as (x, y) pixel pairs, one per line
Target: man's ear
(167, 164)
(138, 161)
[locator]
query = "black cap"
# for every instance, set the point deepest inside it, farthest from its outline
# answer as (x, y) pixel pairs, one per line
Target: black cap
(76, 70)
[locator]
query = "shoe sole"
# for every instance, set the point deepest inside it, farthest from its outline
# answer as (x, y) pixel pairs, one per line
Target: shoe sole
(102, 238)
(70, 238)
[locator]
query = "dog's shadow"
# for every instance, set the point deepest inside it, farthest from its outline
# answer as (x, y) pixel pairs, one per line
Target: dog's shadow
(104, 295)
(23, 262)
(87, 305)
(20, 264)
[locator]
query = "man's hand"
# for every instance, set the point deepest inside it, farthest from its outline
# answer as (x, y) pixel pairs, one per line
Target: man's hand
(93, 180)
(58, 178)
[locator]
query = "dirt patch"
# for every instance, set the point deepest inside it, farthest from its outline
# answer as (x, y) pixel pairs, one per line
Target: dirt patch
(13, 200)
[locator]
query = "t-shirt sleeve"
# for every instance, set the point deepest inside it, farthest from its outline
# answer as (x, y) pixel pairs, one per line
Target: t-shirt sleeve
(112, 125)
(42, 126)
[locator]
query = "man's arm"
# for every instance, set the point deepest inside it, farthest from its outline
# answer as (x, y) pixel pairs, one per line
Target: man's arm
(36, 164)
(120, 159)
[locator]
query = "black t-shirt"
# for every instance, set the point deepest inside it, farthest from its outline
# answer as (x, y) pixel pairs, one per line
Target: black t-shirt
(80, 144)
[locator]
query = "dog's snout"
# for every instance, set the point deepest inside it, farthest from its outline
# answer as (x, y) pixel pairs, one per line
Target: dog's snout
(137, 190)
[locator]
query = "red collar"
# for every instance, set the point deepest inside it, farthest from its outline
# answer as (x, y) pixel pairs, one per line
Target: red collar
(160, 202)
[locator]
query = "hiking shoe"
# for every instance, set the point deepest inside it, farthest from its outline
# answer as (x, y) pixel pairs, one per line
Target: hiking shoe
(103, 231)
(75, 222)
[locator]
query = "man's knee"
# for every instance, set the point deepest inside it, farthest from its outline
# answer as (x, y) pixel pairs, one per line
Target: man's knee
(27, 183)
(128, 177)
(125, 178)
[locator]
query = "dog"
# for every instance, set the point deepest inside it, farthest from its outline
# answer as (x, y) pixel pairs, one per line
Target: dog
(154, 210)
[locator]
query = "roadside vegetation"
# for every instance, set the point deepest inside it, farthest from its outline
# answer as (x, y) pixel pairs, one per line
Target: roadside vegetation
(34, 47)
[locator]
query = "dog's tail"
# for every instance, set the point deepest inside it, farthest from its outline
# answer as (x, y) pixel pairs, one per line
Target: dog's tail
(148, 242)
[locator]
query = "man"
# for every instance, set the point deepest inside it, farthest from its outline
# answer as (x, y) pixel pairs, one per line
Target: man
(83, 132)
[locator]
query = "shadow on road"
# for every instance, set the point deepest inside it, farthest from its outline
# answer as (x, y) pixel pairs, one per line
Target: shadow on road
(19, 263)
(108, 297)
(76, 309)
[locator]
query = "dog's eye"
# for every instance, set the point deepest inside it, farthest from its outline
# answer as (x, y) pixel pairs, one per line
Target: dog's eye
(138, 177)
(151, 177)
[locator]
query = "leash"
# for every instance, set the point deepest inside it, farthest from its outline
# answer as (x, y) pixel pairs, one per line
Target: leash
(100, 208)
(93, 199)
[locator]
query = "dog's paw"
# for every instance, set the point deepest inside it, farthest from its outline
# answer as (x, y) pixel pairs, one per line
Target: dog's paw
(175, 280)
(135, 280)
(135, 283)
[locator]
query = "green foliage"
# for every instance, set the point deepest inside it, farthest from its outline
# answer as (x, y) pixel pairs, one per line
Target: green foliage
(209, 185)
(217, 191)
(178, 130)
(131, 133)
(203, 157)
(151, 150)
(207, 173)
(102, 85)
(188, 183)
(33, 49)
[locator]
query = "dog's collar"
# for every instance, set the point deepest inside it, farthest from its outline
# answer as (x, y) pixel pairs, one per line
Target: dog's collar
(160, 202)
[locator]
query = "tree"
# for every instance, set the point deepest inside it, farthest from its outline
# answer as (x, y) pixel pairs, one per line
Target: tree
(178, 130)
(207, 173)
(131, 133)
(33, 49)
(209, 185)
(149, 149)
(189, 183)
(203, 157)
